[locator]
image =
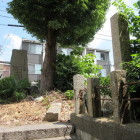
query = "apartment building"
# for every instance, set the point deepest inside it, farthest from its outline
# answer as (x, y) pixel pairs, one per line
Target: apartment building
(35, 58)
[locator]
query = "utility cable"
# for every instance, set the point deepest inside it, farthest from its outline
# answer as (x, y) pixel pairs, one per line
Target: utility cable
(12, 25)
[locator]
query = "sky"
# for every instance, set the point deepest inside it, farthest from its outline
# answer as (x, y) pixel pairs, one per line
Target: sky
(11, 37)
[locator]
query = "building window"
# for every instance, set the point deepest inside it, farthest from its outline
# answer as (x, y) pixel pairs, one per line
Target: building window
(103, 56)
(100, 56)
(37, 68)
(34, 68)
(31, 69)
(35, 49)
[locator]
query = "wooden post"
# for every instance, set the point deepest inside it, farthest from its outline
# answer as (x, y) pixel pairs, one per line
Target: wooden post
(94, 105)
(121, 112)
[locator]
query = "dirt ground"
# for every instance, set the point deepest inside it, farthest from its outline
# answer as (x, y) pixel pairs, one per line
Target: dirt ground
(33, 112)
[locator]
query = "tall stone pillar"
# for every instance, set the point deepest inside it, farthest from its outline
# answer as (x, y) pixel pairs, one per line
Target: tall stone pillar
(19, 68)
(120, 40)
(78, 81)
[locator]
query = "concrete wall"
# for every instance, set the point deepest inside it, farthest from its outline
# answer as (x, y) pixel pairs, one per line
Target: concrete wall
(88, 128)
(25, 46)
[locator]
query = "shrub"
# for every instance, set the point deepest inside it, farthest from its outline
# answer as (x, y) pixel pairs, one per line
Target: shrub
(69, 94)
(19, 96)
(7, 87)
(105, 81)
(21, 85)
(12, 89)
(65, 70)
(133, 75)
(133, 71)
(87, 66)
(133, 68)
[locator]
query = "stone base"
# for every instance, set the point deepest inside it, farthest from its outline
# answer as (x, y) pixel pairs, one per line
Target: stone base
(53, 112)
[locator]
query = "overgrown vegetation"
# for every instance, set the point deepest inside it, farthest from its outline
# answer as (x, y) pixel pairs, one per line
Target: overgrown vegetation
(69, 94)
(87, 66)
(133, 68)
(12, 89)
(65, 70)
(105, 82)
(68, 66)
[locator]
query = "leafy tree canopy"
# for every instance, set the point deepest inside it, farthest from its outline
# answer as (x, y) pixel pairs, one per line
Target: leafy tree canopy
(67, 22)
(75, 21)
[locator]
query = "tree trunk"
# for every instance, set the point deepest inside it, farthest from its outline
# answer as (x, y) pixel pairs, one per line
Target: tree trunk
(49, 63)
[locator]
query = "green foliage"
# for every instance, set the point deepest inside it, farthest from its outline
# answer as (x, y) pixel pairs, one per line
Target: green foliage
(87, 66)
(133, 75)
(68, 66)
(68, 22)
(19, 96)
(69, 94)
(65, 70)
(74, 22)
(136, 60)
(21, 85)
(132, 18)
(133, 68)
(7, 87)
(105, 81)
(77, 50)
(12, 89)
